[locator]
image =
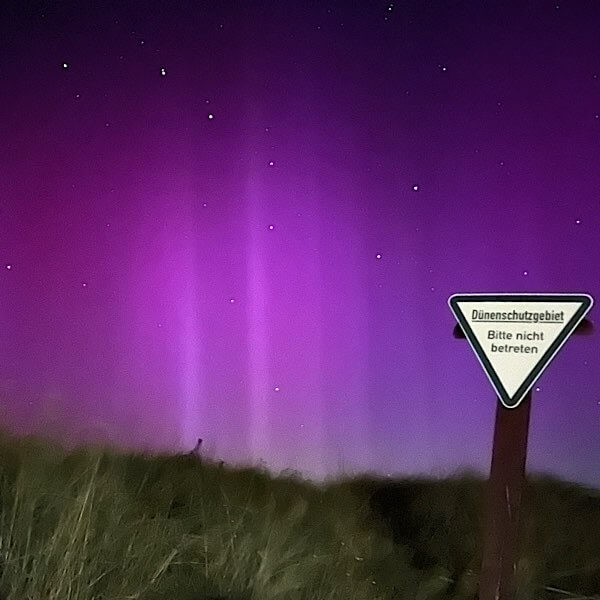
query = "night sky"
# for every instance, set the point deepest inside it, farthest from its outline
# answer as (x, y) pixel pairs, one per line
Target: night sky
(242, 221)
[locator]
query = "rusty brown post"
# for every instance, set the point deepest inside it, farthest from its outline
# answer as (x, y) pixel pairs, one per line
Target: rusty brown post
(505, 487)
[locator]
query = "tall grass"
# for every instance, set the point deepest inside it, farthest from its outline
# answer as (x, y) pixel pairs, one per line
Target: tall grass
(95, 524)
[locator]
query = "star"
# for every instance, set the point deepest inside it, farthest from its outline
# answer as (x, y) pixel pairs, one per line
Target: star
(163, 71)
(231, 300)
(271, 163)
(271, 227)
(378, 256)
(65, 66)
(415, 188)
(276, 388)
(9, 267)
(211, 116)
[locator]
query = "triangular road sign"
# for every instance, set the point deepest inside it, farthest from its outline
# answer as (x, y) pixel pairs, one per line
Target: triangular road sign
(515, 336)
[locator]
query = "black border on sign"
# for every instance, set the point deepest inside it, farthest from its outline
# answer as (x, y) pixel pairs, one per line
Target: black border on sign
(512, 402)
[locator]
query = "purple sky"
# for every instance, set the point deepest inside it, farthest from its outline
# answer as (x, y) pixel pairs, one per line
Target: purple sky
(256, 244)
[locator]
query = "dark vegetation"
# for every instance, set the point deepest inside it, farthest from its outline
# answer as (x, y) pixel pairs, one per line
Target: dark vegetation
(96, 524)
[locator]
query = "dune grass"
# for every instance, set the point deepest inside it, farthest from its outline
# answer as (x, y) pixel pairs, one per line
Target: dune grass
(92, 523)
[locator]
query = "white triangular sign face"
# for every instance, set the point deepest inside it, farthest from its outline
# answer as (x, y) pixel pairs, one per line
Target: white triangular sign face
(515, 336)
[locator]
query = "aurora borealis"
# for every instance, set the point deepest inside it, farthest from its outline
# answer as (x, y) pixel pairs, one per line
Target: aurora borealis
(242, 222)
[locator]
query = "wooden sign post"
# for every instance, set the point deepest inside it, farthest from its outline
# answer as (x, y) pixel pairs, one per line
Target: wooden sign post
(505, 487)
